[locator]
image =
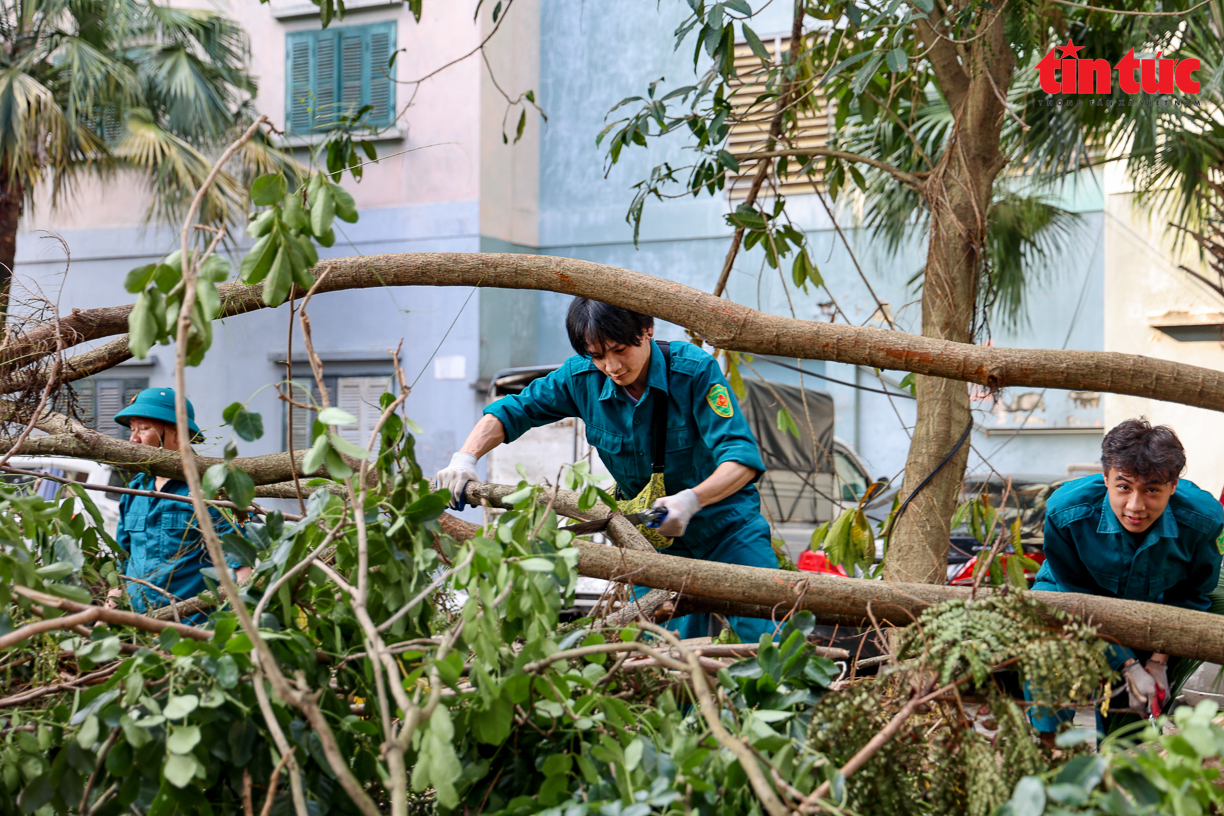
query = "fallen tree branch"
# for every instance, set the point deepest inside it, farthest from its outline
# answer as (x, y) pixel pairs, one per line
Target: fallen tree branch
(131, 491)
(1136, 624)
(722, 323)
(115, 616)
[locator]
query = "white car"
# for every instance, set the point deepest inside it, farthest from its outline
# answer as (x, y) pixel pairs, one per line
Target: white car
(78, 470)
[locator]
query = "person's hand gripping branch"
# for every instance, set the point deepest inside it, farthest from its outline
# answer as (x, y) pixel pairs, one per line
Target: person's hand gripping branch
(680, 511)
(1140, 686)
(453, 477)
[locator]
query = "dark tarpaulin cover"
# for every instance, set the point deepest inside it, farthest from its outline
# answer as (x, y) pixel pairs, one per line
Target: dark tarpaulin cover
(780, 450)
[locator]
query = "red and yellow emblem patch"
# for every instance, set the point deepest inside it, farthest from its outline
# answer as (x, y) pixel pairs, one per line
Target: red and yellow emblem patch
(720, 401)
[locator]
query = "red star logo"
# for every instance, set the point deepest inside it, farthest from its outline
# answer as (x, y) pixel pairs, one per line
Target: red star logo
(1069, 50)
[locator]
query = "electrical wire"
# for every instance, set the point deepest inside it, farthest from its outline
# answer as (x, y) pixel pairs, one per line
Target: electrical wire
(927, 480)
(773, 361)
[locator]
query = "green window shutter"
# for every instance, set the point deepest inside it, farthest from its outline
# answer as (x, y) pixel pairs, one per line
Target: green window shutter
(334, 73)
(325, 111)
(352, 67)
(381, 94)
(298, 85)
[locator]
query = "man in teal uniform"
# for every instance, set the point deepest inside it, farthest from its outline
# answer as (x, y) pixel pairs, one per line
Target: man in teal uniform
(712, 460)
(165, 548)
(1138, 532)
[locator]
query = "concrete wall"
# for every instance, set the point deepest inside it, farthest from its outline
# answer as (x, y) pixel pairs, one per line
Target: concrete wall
(1145, 285)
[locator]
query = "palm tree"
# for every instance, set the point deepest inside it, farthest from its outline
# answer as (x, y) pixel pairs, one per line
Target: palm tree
(107, 86)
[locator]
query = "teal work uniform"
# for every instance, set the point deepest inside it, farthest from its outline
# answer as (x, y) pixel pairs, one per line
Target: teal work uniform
(705, 428)
(1087, 550)
(164, 546)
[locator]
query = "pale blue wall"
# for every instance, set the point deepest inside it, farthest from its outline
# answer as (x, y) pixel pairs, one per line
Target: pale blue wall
(353, 331)
(595, 54)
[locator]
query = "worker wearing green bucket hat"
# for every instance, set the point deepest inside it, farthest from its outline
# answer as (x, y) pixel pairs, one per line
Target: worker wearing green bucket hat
(165, 552)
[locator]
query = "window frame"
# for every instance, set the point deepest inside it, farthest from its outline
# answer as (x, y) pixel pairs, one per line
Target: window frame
(369, 79)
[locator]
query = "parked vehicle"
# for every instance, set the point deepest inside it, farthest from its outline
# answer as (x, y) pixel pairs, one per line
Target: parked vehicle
(78, 470)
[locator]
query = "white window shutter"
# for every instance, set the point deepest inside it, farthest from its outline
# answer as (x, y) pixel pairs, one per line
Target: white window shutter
(359, 396)
(110, 402)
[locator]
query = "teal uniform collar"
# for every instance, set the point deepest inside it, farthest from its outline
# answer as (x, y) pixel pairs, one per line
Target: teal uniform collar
(1165, 526)
(657, 378)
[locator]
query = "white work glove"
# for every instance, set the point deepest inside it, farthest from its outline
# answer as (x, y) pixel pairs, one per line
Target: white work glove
(460, 471)
(1141, 687)
(680, 511)
(1160, 674)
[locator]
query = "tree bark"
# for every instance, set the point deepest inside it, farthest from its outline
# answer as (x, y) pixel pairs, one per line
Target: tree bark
(1154, 627)
(722, 323)
(959, 193)
(11, 200)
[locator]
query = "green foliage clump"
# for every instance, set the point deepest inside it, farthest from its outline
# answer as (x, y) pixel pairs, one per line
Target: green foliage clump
(1144, 772)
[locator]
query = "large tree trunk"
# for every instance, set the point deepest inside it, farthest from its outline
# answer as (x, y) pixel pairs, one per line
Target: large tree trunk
(11, 197)
(958, 193)
(720, 322)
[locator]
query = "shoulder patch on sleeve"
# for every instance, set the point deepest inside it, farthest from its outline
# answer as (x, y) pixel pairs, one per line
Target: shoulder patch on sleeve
(720, 401)
(1220, 542)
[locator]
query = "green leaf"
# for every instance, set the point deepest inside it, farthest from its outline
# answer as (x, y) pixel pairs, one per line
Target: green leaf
(786, 423)
(280, 278)
(754, 43)
(214, 479)
(346, 208)
(537, 565)
(346, 447)
(1029, 797)
(843, 65)
(415, 7)
(522, 123)
(180, 769)
(908, 383)
(336, 466)
(315, 457)
(293, 214)
(240, 487)
(139, 278)
(255, 265)
(142, 325)
(738, 6)
(336, 416)
(180, 706)
(268, 189)
(183, 738)
(56, 571)
(247, 424)
(898, 60)
(322, 210)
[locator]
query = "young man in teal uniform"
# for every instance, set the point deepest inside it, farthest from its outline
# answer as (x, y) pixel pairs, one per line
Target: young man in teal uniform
(1138, 532)
(712, 460)
(164, 545)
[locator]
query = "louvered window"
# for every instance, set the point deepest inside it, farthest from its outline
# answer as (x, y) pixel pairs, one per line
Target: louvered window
(98, 400)
(751, 116)
(337, 72)
(357, 395)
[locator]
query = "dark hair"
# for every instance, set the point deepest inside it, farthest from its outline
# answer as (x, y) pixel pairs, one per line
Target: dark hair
(1153, 454)
(592, 323)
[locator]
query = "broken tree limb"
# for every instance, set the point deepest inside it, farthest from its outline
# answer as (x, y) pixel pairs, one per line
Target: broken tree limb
(723, 323)
(1153, 627)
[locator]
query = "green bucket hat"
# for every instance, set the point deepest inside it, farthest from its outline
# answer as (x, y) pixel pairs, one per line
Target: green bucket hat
(157, 403)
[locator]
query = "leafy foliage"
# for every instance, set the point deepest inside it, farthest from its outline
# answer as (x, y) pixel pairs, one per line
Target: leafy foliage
(1148, 772)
